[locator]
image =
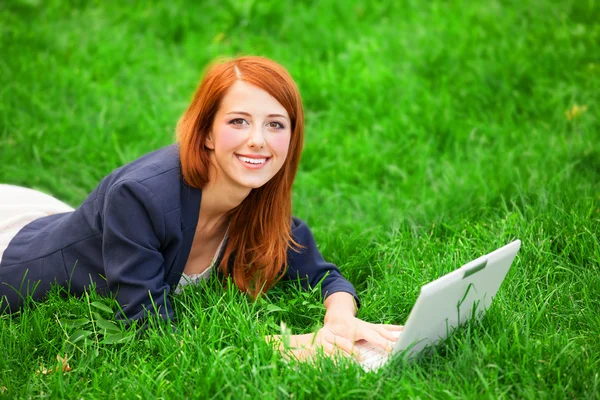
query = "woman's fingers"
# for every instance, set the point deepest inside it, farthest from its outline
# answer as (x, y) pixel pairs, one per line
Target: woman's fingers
(381, 335)
(334, 343)
(305, 347)
(333, 350)
(303, 353)
(390, 332)
(373, 336)
(391, 327)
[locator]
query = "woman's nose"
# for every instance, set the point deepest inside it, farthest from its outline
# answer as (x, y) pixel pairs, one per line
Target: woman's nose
(256, 138)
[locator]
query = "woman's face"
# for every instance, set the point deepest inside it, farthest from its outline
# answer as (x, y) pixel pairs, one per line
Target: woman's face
(250, 136)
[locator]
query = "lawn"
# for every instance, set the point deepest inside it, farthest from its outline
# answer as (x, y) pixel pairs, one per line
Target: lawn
(437, 131)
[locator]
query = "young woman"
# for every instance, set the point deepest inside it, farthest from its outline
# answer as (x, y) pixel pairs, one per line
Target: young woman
(216, 201)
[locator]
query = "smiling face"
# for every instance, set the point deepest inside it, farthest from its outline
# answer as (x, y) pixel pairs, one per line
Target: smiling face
(249, 138)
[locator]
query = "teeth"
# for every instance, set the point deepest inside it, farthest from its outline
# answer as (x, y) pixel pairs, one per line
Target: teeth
(252, 160)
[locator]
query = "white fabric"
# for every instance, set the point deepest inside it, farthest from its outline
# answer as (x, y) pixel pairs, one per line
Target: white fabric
(19, 206)
(194, 279)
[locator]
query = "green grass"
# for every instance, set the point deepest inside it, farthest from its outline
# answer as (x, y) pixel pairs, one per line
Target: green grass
(436, 132)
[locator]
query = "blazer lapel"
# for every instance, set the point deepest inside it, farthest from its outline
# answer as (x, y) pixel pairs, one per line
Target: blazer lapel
(190, 208)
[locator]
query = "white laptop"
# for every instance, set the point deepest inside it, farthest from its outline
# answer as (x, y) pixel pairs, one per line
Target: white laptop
(444, 304)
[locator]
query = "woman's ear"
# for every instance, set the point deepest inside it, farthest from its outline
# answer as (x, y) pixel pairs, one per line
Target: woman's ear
(208, 143)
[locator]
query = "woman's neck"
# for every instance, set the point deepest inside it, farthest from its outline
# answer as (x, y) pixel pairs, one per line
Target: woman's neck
(217, 200)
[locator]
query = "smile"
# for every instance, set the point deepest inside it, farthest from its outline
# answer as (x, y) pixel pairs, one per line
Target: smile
(252, 161)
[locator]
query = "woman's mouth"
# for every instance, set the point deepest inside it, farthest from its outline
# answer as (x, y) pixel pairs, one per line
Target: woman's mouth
(252, 162)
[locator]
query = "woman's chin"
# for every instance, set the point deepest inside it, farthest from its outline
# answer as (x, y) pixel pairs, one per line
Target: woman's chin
(255, 185)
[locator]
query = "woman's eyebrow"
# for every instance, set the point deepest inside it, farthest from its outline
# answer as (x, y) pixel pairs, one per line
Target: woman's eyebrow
(239, 112)
(247, 114)
(277, 115)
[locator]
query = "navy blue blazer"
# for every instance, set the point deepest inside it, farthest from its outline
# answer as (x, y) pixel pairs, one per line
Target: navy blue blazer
(132, 238)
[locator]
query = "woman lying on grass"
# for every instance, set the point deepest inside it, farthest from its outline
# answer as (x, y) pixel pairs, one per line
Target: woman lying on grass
(217, 201)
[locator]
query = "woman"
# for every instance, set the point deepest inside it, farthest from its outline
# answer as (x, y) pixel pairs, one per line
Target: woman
(219, 197)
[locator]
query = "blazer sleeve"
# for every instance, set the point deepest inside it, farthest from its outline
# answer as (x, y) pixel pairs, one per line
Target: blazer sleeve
(134, 265)
(309, 266)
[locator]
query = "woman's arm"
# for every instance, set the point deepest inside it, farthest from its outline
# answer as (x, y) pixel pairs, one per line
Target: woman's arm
(341, 327)
(307, 265)
(340, 304)
(134, 267)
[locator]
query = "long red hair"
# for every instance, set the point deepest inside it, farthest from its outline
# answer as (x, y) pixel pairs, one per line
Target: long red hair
(260, 227)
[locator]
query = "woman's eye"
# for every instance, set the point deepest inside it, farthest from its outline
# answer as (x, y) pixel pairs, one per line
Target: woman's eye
(238, 122)
(275, 125)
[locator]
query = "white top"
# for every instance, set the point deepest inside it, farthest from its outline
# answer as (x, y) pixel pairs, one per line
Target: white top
(19, 206)
(194, 279)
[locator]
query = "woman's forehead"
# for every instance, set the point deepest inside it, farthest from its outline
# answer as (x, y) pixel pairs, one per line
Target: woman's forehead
(248, 98)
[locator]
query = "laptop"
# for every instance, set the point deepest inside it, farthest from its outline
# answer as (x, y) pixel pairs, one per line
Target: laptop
(445, 304)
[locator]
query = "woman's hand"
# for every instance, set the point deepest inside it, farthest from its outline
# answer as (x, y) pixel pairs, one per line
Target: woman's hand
(340, 320)
(306, 346)
(336, 338)
(339, 333)
(353, 329)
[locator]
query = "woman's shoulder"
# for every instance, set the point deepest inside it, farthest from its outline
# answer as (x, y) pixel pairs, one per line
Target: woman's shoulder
(149, 166)
(157, 173)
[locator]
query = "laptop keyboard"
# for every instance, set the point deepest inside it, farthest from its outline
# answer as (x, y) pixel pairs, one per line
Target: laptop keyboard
(373, 356)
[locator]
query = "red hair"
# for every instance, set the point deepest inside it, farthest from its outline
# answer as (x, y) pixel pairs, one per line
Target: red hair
(260, 227)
